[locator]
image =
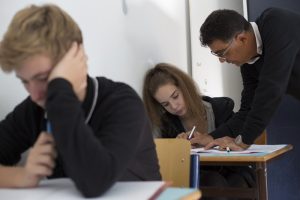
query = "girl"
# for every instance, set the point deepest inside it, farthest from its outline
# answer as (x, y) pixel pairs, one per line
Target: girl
(175, 105)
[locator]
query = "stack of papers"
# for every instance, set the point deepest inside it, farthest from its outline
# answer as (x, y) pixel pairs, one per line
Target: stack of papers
(252, 149)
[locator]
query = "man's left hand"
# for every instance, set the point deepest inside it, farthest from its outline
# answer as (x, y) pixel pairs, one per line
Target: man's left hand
(227, 142)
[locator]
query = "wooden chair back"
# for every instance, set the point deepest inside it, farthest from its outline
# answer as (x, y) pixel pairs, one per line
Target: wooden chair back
(174, 160)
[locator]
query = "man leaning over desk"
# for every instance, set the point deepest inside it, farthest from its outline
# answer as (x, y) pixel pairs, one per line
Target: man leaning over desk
(99, 131)
(268, 54)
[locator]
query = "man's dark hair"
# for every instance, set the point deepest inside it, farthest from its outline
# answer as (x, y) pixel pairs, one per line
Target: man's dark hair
(222, 25)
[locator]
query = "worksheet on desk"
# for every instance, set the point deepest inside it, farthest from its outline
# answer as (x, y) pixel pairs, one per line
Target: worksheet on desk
(252, 149)
(64, 189)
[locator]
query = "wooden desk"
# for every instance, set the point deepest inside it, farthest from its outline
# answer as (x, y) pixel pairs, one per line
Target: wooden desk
(259, 160)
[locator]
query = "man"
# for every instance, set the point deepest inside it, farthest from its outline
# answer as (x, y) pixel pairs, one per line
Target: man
(99, 131)
(267, 52)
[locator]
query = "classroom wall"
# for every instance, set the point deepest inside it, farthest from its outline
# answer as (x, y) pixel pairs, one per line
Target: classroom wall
(123, 38)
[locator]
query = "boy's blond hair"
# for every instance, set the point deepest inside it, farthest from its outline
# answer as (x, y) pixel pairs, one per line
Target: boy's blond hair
(34, 30)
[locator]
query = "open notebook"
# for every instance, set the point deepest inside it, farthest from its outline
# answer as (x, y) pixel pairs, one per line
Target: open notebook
(252, 149)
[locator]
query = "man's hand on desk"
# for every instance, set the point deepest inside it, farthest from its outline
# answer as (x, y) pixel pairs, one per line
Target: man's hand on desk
(40, 161)
(227, 142)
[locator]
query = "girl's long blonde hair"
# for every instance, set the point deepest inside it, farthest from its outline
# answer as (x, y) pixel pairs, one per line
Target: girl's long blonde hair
(162, 74)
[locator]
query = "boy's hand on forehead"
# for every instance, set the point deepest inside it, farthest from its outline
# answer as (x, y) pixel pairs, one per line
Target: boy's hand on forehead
(73, 68)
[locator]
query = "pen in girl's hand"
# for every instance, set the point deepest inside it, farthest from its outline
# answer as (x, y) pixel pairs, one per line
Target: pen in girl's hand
(192, 132)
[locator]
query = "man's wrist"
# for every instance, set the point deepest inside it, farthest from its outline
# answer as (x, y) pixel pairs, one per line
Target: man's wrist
(208, 138)
(239, 141)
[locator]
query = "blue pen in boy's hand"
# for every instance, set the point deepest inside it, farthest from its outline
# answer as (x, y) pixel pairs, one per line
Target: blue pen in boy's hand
(49, 130)
(48, 125)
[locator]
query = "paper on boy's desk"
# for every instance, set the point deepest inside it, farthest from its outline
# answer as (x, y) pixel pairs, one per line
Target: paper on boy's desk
(64, 189)
(252, 149)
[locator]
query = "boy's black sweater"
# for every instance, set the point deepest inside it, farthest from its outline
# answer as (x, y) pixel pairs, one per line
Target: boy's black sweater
(116, 145)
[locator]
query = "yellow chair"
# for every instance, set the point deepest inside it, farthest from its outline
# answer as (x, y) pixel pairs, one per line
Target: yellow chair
(174, 160)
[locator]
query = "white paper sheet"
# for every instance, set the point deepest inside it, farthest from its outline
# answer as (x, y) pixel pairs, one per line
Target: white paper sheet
(64, 189)
(252, 149)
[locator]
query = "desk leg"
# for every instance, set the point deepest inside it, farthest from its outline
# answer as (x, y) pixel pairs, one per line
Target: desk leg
(261, 176)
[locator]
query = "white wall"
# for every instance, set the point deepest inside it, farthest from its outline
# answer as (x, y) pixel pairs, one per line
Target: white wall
(214, 79)
(123, 38)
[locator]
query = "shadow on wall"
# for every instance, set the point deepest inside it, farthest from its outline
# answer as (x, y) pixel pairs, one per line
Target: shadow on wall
(284, 173)
(256, 7)
(284, 128)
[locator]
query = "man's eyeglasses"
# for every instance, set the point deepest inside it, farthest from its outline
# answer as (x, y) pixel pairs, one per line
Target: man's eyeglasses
(222, 53)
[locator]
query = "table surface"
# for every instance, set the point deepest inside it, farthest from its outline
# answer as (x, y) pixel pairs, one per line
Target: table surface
(64, 189)
(254, 157)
